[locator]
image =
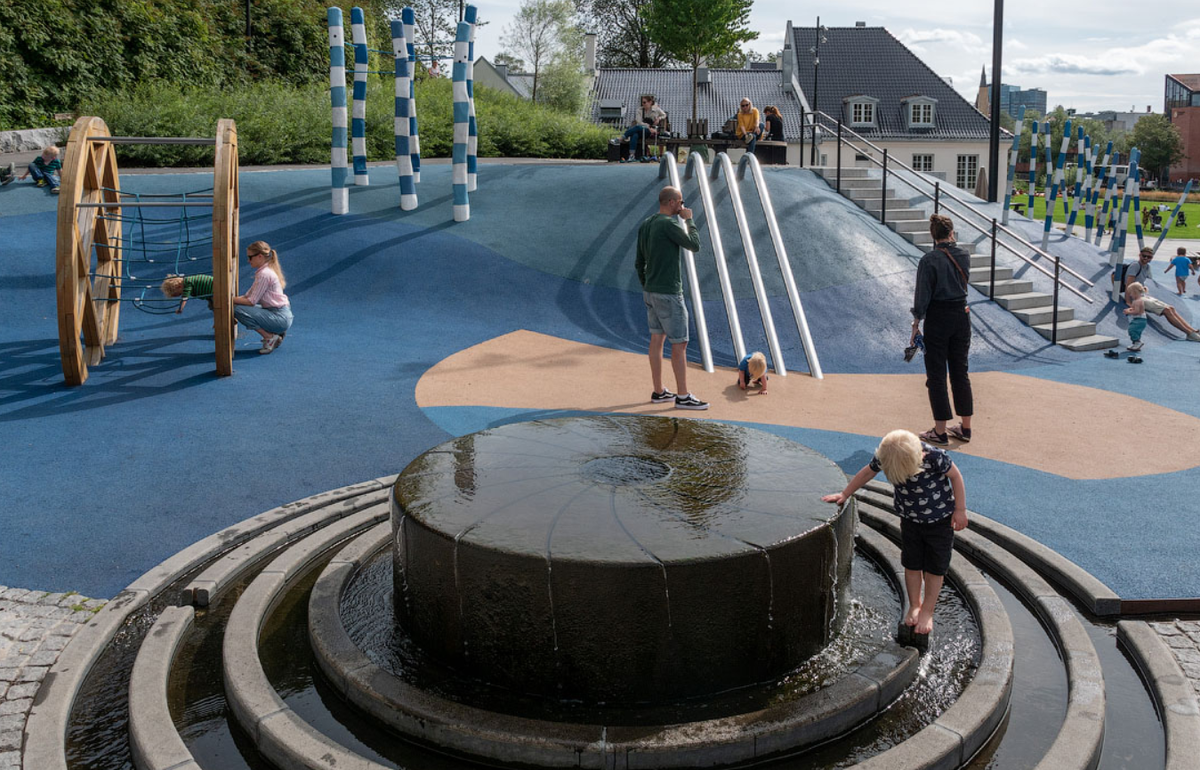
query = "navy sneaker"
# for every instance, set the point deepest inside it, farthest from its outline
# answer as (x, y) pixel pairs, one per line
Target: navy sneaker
(690, 402)
(663, 397)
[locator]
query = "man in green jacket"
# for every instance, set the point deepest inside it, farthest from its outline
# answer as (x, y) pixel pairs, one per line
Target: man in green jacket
(658, 266)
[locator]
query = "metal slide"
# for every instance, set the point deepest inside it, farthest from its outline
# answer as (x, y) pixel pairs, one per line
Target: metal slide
(669, 169)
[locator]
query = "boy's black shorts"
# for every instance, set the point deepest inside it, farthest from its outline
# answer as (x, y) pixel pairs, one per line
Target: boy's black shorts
(926, 547)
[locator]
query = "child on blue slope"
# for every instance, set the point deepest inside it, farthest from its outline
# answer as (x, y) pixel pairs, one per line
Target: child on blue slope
(1135, 295)
(752, 370)
(46, 169)
(932, 504)
(1183, 268)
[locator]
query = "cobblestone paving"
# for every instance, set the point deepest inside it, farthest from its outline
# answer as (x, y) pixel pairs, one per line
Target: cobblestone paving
(35, 626)
(1183, 637)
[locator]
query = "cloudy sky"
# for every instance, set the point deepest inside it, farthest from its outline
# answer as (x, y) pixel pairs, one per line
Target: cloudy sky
(1095, 55)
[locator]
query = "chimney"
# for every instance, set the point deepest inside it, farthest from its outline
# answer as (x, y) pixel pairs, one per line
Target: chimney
(589, 52)
(860, 24)
(1147, 108)
(502, 71)
(787, 61)
(703, 76)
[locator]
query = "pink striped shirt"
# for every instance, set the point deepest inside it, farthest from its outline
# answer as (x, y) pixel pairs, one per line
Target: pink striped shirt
(266, 290)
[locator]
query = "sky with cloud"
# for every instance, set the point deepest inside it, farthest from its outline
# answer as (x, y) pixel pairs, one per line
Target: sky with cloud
(1098, 55)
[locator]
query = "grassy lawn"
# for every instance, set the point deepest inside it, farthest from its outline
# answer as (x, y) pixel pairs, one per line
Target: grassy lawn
(1192, 210)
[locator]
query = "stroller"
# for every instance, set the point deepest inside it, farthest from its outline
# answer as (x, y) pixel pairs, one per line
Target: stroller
(1181, 219)
(1156, 222)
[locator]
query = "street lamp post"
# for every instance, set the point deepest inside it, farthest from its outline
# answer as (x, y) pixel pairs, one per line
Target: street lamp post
(994, 137)
(816, 52)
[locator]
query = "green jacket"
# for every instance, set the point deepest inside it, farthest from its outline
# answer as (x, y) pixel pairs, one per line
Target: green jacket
(658, 259)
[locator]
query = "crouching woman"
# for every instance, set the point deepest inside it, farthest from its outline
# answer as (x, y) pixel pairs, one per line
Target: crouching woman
(265, 308)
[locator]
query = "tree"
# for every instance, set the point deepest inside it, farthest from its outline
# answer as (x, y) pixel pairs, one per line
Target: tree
(1160, 144)
(694, 30)
(515, 64)
(621, 36)
(435, 24)
(537, 33)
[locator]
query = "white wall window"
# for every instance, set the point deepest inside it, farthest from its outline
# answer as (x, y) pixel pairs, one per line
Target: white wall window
(862, 113)
(967, 171)
(923, 162)
(921, 114)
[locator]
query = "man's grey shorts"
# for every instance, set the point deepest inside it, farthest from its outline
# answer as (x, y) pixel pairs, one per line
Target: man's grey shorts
(666, 314)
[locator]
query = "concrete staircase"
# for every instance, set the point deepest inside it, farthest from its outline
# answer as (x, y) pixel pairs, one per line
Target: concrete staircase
(1033, 308)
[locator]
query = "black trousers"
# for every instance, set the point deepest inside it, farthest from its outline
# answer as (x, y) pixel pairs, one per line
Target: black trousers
(947, 344)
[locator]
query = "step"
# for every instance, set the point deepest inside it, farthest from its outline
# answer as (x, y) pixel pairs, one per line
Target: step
(894, 213)
(1023, 300)
(1041, 315)
(923, 238)
(863, 183)
(983, 275)
(907, 225)
(868, 194)
(981, 260)
(1006, 287)
(1094, 342)
(1068, 330)
(848, 172)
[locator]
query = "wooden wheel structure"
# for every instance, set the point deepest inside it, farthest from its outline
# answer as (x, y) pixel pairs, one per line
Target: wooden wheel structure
(92, 245)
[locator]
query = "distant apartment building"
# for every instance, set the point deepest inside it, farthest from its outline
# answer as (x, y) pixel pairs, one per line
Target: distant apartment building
(1181, 105)
(1012, 98)
(1113, 120)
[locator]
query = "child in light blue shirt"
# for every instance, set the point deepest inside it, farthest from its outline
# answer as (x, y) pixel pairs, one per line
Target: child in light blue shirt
(1183, 268)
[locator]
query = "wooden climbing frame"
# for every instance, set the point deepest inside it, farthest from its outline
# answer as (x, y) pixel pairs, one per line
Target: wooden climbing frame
(89, 246)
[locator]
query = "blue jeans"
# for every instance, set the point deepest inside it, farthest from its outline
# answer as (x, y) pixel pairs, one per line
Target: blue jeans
(49, 177)
(752, 140)
(639, 137)
(276, 320)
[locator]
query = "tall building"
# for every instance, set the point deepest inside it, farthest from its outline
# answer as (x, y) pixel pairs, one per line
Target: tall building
(1012, 98)
(1181, 105)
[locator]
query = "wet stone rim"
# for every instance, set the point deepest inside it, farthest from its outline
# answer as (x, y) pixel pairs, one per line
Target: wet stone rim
(832, 711)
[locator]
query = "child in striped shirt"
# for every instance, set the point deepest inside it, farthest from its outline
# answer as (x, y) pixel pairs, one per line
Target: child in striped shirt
(187, 286)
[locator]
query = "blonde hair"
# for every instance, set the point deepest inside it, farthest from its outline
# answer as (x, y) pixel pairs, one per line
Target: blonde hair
(173, 286)
(262, 247)
(756, 367)
(901, 455)
(51, 149)
(1138, 290)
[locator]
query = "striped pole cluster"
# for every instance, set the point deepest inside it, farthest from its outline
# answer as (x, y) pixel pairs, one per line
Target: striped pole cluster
(337, 98)
(358, 120)
(471, 15)
(1033, 152)
(1174, 213)
(1090, 220)
(462, 115)
(1012, 165)
(1116, 246)
(1108, 216)
(408, 17)
(1052, 199)
(1136, 171)
(1083, 167)
(408, 189)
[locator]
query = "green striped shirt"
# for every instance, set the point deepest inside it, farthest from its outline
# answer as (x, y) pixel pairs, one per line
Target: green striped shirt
(200, 286)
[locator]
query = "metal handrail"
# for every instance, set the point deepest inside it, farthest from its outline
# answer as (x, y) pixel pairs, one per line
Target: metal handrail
(785, 266)
(764, 306)
(667, 166)
(695, 164)
(945, 193)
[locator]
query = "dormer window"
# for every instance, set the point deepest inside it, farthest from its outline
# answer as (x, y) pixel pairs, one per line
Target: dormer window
(919, 111)
(860, 111)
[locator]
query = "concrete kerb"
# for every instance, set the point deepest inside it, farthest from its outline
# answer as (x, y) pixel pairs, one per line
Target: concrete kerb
(825, 714)
(153, 739)
(46, 727)
(1173, 694)
(1088, 590)
(284, 738)
(978, 712)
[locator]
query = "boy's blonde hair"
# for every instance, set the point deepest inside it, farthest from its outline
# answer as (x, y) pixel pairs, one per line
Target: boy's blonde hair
(1137, 289)
(264, 248)
(172, 286)
(757, 366)
(51, 149)
(901, 456)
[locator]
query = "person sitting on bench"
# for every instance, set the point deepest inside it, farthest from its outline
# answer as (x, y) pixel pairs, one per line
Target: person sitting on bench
(749, 125)
(647, 120)
(774, 123)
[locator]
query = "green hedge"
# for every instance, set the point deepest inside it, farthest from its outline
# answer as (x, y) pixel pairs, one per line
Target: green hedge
(283, 123)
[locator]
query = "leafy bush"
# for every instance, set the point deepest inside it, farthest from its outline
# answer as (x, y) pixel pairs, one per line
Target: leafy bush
(284, 123)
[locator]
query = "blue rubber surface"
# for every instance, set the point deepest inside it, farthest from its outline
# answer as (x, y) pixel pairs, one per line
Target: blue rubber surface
(155, 452)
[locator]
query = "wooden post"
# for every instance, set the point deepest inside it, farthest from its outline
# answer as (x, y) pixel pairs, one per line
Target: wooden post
(226, 250)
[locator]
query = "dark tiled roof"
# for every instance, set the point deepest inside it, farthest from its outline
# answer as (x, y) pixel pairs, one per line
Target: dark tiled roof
(717, 101)
(869, 61)
(523, 82)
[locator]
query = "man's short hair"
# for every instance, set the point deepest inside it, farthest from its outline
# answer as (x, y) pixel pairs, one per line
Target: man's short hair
(668, 194)
(648, 98)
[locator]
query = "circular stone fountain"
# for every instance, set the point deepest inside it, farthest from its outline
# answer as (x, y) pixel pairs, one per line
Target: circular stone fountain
(619, 559)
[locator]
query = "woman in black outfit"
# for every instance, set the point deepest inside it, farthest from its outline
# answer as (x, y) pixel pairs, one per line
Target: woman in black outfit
(940, 300)
(774, 124)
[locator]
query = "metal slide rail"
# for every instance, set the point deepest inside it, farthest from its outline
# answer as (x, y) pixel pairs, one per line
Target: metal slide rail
(785, 267)
(938, 194)
(695, 166)
(668, 167)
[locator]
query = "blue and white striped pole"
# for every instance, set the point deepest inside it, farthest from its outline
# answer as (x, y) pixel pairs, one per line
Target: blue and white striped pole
(337, 98)
(462, 123)
(1136, 170)
(1108, 216)
(358, 121)
(1033, 152)
(1058, 183)
(1101, 174)
(1174, 213)
(471, 15)
(1012, 165)
(1083, 150)
(408, 189)
(414, 139)
(1117, 244)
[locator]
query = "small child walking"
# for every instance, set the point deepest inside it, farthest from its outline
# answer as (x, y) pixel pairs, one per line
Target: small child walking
(46, 169)
(187, 286)
(931, 500)
(1183, 268)
(1135, 295)
(752, 370)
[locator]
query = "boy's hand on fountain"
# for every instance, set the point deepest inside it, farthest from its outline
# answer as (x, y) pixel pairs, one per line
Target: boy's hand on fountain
(838, 498)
